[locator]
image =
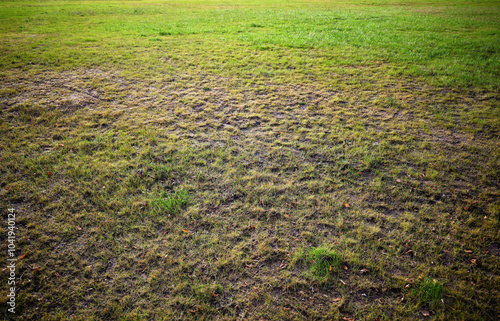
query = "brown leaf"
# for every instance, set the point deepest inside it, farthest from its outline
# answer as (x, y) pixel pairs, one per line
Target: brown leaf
(22, 256)
(61, 145)
(398, 180)
(345, 267)
(363, 271)
(79, 228)
(474, 261)
(425, 313)
(185, 231)
(49, 174)
(192, 311)
(347, 205)
(468, 251)
(336, 300)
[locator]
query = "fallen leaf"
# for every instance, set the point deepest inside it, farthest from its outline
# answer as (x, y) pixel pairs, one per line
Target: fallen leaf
(398, 180)
(192, 311)
(185, 231)
(468, 251)
(330, 268)
(347, 205)
(342, 282)
(336, 300)
(79, 228)
(22, 256)
(466, 208)
(285, 215)
(49, 174)
(345, 267)
(61, 145)
(474, 261)
(363, 271)
(425, 313)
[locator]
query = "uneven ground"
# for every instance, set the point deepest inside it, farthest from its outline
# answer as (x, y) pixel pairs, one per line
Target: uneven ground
(186, 160)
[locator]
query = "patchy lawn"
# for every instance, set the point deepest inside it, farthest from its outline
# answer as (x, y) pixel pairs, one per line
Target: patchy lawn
(274, 161)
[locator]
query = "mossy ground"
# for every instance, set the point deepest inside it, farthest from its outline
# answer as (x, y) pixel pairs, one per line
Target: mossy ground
(181, 160)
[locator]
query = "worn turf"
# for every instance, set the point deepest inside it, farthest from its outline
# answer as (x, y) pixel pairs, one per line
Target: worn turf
(251, 160)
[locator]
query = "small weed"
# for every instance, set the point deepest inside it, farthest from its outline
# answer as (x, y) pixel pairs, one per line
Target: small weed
(391, 102)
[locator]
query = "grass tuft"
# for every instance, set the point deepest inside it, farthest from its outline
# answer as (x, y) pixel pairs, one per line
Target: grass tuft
(429, 291)
(171, 204)
(325, 262)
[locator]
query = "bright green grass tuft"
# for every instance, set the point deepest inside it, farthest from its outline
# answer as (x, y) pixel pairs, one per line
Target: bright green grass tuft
(429, 290)
(172, 203)
(325, 262)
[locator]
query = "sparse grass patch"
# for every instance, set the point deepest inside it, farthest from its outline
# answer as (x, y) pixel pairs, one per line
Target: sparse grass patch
(276, 160)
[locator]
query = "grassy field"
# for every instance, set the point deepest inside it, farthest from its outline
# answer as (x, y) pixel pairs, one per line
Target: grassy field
(251, 160)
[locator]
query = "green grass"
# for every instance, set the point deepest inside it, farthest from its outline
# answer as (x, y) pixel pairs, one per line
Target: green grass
(325, 262)
(430, 290)
(173, 203)
(207, 160)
